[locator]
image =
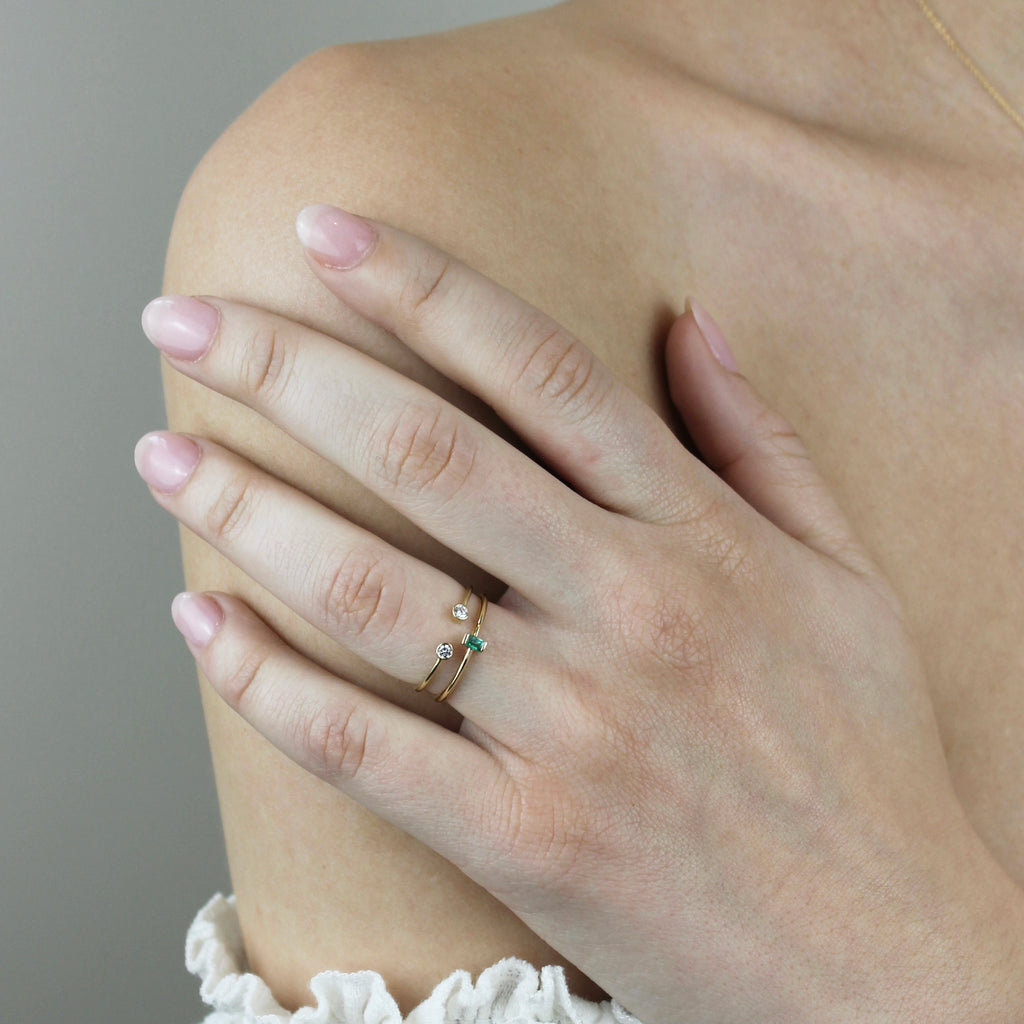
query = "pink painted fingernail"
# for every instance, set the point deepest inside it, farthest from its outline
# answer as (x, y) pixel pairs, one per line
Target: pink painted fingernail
(181, 326)
(165, 460)
(197, 616)
(713, 336)
(334, 238)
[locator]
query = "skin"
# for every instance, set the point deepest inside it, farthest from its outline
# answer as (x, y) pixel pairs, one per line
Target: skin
(687, 741)
(897, 359)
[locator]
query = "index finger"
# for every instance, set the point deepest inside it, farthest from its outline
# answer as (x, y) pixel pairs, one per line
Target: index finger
(545, 383)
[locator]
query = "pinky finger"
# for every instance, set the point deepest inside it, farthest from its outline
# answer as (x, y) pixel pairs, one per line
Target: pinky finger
(427, 781)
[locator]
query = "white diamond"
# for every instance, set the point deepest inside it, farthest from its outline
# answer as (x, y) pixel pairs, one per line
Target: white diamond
(461, 612)
(445, 651)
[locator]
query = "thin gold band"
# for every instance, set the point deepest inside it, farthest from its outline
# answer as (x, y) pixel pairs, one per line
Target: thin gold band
(466, 640)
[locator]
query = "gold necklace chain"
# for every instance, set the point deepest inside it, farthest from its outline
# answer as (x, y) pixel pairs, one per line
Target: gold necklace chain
(964, 59)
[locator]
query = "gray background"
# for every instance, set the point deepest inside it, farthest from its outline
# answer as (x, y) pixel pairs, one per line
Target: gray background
(109, 833)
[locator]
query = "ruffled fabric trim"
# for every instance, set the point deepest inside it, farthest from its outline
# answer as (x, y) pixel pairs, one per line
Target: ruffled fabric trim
(510, 992)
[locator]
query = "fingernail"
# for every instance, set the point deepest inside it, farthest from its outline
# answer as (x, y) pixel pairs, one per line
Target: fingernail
(181, 326)
(334, 238)
(713, 336)
(197, 616)
(165, 460)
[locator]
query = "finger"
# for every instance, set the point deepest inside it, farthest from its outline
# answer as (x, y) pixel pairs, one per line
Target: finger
(752, 446)
(546, 384)
(436, 465)
(389, 608)
(426, 780)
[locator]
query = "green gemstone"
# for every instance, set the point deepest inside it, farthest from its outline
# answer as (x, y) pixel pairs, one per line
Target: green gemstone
(473, 642)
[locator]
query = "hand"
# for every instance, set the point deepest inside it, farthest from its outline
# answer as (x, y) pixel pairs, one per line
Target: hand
(697, 755)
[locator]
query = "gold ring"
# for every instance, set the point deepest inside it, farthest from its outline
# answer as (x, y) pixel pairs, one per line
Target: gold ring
(445, 650)
(473, 643)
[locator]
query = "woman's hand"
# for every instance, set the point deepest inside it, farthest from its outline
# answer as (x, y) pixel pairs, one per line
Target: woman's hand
(697, 756)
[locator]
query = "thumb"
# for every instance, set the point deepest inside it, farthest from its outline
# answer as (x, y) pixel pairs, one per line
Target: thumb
(750, 445)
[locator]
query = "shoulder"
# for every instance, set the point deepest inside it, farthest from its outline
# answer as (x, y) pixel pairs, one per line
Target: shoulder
(330, 129)
(429, 133)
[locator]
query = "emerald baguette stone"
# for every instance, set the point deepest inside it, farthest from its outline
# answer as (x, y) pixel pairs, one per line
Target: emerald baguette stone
(473, 642)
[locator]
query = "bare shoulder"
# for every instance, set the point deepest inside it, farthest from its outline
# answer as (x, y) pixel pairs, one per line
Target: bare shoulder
(336, 127)
(491, 141)
(408, 130)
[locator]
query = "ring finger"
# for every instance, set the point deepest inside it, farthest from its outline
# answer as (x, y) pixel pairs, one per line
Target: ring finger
(388, 607)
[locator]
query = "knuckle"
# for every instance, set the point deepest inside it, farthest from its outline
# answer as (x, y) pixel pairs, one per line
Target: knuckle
(732, 558)
(227, 517)
(676, 638)
(244, 676)
(660, 616)
(700, 511)
(266, 363)
(335, 742)
(776, 437)
(427, 450)
(421, 294)
(543, 835)
(356, 594)
(770, 436)
(558, 370)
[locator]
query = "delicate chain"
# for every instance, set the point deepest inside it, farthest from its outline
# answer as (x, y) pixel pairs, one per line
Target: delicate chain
(1013, 114)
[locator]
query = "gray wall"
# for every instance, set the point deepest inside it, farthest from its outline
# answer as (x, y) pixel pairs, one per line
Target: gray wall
(109, 834)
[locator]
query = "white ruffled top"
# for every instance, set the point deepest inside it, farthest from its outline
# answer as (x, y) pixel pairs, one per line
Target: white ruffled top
(510, 992)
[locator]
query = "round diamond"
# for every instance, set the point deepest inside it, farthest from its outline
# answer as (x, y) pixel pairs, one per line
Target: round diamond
(445, 651)
(461, 612)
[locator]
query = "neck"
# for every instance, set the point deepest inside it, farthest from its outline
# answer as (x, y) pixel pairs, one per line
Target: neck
(817, 60)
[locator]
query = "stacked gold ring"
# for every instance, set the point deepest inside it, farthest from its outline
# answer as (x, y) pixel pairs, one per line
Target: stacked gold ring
(471, 641)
